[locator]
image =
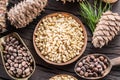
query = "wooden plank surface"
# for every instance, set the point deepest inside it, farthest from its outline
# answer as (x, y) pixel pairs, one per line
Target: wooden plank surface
(43, 70)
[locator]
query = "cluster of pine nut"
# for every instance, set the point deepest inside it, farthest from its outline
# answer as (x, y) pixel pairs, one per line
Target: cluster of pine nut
(59, 38)
(63, 77)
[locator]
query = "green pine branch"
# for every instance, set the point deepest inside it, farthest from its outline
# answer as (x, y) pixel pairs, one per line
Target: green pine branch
(91, 13)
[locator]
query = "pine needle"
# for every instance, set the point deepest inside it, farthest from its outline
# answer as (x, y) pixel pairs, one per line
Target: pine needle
(92, 13)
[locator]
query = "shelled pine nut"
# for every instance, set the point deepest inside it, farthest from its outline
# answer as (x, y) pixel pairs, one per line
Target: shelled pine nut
(59, 38)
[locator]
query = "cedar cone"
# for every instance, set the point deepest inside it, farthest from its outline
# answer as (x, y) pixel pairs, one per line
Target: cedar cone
(3, 8)
(64, 1)
(22, 14)
(106, 29)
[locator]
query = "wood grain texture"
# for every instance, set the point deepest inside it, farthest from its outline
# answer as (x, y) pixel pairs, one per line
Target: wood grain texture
(43, 70)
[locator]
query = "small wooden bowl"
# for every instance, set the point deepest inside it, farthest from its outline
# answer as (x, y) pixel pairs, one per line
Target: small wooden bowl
(81, 51)
(64, 75)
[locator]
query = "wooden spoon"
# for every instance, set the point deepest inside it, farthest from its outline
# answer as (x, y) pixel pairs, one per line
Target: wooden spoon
(111, 63)
(1, 51)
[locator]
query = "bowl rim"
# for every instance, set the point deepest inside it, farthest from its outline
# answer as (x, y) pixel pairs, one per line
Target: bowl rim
(81, 51)
(96, 78)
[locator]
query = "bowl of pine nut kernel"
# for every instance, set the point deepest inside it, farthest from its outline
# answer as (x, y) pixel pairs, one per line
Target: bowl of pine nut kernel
(60, 38)
(63, 77)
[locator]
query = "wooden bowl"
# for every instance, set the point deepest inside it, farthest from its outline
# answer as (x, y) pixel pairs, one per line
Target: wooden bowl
(81, 51)
(64, 75)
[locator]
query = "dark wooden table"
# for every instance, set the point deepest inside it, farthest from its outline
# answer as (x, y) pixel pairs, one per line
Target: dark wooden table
(43, 70)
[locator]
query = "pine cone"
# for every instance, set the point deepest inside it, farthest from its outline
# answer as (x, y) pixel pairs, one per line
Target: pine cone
(3, 9)
(64, 1)
(24, 13)
(106, 29)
